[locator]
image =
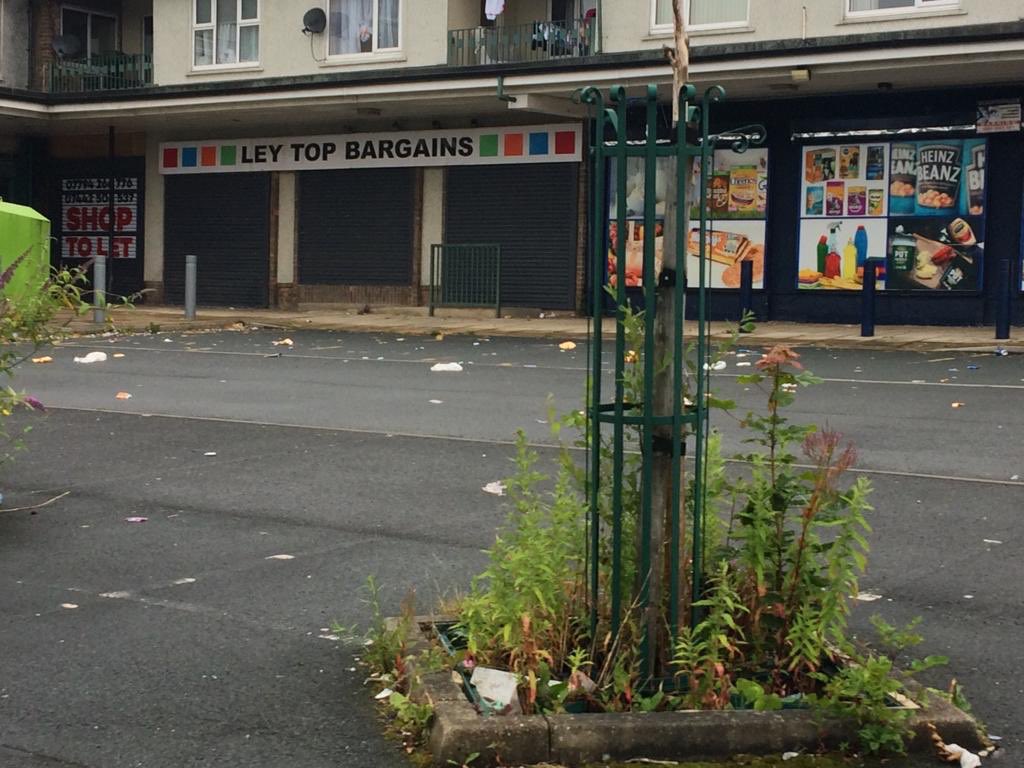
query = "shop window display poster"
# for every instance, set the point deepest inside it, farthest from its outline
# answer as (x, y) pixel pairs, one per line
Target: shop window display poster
(918, 205)
(737, 193)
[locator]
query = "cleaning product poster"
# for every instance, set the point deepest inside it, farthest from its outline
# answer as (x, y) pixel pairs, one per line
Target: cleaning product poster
(737, 195)
(919, 205)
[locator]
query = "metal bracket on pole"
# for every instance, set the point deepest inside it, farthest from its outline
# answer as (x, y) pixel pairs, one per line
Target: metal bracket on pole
(191, 262)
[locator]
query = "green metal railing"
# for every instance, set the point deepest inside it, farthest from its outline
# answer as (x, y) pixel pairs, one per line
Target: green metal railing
(103, 72)
(536, 41)
(465, 276)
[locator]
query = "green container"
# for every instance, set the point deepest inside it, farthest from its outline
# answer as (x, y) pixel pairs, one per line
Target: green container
(23, 229)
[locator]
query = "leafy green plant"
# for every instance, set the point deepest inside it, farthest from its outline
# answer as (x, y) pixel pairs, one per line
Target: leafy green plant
(412, 718)
(30, 321)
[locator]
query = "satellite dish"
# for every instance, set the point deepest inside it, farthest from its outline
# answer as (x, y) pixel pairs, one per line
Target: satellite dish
(314, 20)
(66, 45)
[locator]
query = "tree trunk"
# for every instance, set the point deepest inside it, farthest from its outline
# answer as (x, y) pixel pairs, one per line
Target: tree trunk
(665, 389)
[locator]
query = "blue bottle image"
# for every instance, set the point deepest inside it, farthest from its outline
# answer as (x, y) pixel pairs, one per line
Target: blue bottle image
(860, 242)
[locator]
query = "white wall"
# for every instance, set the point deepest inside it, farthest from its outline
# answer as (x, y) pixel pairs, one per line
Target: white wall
(286, 227)
(285, 51)
(432, 230)
(153, 269)
(626, 23)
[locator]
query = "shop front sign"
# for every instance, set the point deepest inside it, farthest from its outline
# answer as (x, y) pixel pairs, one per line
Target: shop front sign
(999, 116)
(473, 146)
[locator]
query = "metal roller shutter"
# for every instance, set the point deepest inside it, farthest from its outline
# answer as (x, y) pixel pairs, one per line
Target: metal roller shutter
(356, 227)
(223, 218)
(530, 210)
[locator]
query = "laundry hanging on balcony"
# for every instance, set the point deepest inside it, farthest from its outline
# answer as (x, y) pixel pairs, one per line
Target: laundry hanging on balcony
(493, 9)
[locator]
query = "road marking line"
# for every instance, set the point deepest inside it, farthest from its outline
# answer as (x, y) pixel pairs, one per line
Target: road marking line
(512, 443)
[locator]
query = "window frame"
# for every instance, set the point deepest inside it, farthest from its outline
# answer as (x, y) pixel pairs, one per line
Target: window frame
(211, 25)
(360, 55)
(657, 29)
(89, 13)
(919, 6)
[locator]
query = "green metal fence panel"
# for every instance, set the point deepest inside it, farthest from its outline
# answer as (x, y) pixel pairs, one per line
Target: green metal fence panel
(102, 72)
(465, 275)
(536, 41)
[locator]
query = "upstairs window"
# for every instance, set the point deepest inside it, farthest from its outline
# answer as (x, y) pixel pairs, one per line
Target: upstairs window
(225, 32)
(363, 26)
(855, 7)
(703, 14)
(95, 33)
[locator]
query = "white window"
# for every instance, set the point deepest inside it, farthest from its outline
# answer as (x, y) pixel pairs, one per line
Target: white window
(364, 26)
(702, 14)
(856, 7)
(225, 32)
(90, 34)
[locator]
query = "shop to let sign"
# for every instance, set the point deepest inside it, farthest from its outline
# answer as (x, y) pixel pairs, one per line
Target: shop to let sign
(86, 229)
(474, 146)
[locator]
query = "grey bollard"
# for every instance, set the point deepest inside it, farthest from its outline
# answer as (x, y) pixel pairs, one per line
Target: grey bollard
(191, 261)
(99, 294)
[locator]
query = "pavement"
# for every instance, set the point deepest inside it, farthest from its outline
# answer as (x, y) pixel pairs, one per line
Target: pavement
(416, 321)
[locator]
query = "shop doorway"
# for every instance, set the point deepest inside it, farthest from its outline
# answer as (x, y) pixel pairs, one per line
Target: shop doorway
(224, 219)
(531, 211)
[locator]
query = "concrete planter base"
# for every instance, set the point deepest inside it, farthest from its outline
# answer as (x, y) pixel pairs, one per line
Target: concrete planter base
(573, 740)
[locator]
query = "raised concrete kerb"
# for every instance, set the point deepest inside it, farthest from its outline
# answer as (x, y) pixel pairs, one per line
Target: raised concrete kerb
(574, 740)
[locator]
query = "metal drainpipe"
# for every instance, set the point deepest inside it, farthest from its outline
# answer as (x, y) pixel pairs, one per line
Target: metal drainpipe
(599, 48)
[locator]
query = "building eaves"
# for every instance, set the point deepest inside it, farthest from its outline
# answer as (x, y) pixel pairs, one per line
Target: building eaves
(643, 58)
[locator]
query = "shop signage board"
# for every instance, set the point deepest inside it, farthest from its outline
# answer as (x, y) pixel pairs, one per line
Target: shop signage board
(558, 143)
(918, 205)
(999, 116)
(86, 217)
(737, 198)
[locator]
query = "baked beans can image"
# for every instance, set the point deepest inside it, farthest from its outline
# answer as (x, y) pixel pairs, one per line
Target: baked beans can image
(902, 179)
(939, 178)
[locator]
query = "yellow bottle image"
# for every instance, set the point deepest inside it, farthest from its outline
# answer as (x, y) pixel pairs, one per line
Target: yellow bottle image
(850, 260)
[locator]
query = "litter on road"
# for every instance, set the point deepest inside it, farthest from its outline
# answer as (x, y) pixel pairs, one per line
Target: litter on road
(69, 606)
(435, 402)
(868, 597)
(446, 368)
(992, 541)
(718, 365)
(42, 360)
(497, 488)
(92, 357)
(136, 519)
(123, 395)
(119, 355)
(210, 453)
(957, 405)
(280, 557)
(567, 345)
(283, 343)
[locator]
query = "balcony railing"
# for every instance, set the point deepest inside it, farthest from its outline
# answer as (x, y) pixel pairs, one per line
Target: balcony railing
(537, 41)
(103, 72)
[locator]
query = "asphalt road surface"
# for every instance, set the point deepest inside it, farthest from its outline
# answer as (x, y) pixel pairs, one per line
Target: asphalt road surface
(185, 641)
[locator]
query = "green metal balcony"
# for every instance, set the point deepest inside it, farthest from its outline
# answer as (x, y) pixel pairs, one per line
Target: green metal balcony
(102, 72)
(536, 41)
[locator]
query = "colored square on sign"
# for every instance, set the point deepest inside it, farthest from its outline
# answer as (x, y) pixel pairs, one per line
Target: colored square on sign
(208, 156)
(188, 157)
(565, 142)
(171, 157)
(489, 145)
(513, 144)
(227, 155)
(539, 143)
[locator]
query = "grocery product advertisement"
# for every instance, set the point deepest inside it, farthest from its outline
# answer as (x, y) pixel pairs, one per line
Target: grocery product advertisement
(737, 194)
(919, 205)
